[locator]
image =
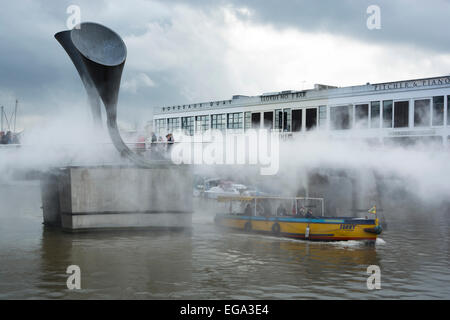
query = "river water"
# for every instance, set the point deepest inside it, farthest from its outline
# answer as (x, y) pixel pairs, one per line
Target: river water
(208, 263)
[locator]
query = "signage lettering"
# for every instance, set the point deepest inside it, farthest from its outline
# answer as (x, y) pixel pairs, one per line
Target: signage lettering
(283, 96)
(412, 84)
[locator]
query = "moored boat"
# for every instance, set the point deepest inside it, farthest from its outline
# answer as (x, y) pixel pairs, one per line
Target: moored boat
(255, 214)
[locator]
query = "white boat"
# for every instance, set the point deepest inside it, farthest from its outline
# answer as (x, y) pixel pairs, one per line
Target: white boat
(220, 191)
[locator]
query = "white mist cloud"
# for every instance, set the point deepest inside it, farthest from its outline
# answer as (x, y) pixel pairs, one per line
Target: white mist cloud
(67, 138)
(421, 170)
(136, 82)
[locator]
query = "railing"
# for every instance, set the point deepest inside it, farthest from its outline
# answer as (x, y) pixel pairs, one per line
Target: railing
(255, 199)
(44, 155)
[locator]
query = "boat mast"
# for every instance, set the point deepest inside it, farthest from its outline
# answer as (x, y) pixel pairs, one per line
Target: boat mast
(15, 115)
(1, 129)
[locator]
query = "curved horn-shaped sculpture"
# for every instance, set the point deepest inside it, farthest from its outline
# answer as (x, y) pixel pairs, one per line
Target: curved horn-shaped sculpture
(64, 40)
(99, 55)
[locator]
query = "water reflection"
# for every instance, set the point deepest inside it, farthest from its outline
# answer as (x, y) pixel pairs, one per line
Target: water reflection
(249, 266)
(116, 264)
(210, 263)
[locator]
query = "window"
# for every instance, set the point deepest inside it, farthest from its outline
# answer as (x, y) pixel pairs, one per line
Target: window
(268, 120)
(401, 114)
(422, 113)
(322, 117)
(448, 113)
(340, 117)
(201, 123)
(160, 126)
(375, 114)
(218, 121)
(438, 111)
(187, 124)
(297, 120)
(235, 120)
(173, 124)
(247, 120)
(278, 119)
(311, 118)
(256, 120)
(362, 116)
(287, 120)
(387, 114)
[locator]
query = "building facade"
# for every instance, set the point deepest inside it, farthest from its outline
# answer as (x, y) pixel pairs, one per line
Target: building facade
(404, 111)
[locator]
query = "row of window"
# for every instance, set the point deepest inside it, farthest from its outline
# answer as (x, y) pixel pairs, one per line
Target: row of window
(394, 114)
(376, 114)
(247, 120)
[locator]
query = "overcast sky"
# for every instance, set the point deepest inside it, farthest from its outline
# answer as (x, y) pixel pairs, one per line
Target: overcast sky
(200, 50)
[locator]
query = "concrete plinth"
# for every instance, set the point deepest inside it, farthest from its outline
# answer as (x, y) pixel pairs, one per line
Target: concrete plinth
(118, 197)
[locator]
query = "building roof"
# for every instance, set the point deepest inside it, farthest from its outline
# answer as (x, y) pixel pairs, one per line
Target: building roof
(319, 91)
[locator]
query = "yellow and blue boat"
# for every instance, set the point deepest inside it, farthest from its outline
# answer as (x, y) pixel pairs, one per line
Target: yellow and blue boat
(254, 214)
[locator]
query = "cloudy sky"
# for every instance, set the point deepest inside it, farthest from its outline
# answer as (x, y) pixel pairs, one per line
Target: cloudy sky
(201, 50)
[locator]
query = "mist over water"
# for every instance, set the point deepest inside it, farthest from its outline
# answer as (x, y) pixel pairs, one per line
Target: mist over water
(353, 173)
(392, 175)
(207, 262)
(67, 138)
(71, 139)
(421, 167)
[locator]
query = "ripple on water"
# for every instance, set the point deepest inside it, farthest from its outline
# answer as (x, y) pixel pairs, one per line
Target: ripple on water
(208, 263)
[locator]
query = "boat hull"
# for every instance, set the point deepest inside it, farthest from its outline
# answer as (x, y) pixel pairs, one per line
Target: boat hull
(314, 229)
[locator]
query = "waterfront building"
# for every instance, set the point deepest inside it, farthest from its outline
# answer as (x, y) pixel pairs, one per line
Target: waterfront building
(402, 111)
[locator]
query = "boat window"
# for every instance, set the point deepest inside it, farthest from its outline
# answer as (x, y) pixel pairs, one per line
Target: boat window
(401, 114)
(375, 114)
(322, 117)
(387, 114)
(438, 111)
(311, 118)
(362, 116)
(287, 120)
(340, 117)
(268, 120)
(422, 113)
(297, 120)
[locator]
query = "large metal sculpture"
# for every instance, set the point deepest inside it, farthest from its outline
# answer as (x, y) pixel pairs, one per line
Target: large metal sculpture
(99, 55)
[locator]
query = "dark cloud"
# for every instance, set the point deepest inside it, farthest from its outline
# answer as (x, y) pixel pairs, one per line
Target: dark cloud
(35, 69)
(414, 22)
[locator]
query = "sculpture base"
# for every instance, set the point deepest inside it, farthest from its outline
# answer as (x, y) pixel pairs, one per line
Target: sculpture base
(110, 197)
(126, 221)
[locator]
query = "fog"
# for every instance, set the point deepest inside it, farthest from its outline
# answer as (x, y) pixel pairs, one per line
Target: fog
(352, 173)
(424, 166)
(349, 172)
(67, 138)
